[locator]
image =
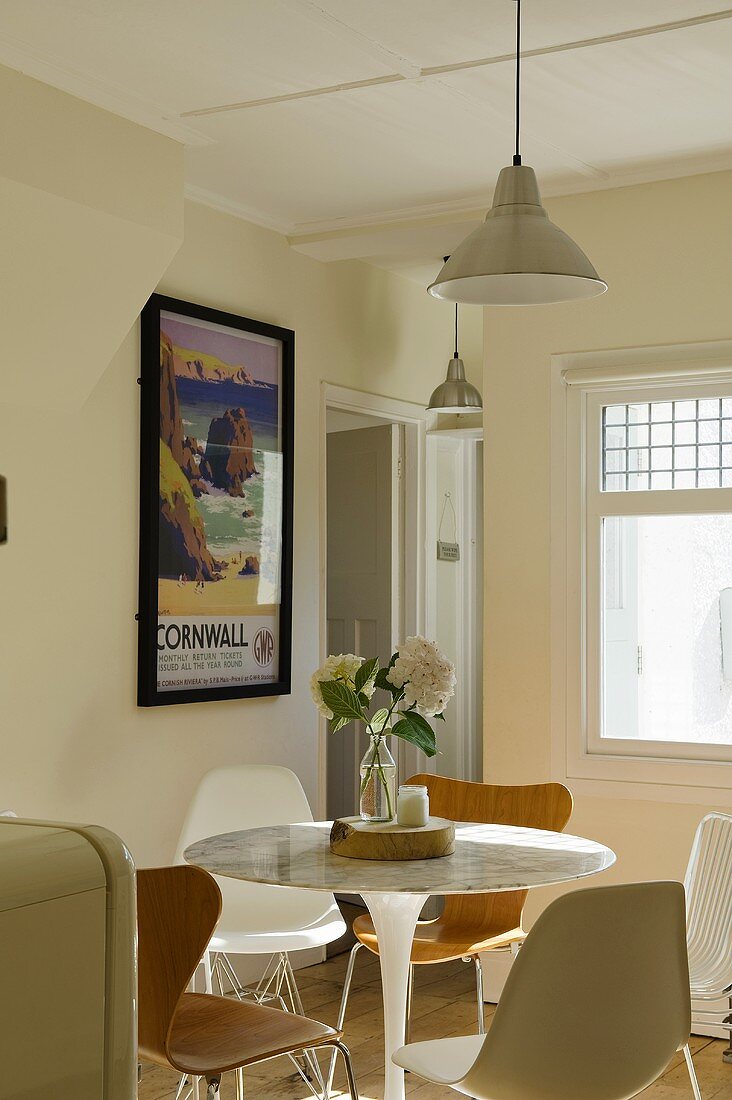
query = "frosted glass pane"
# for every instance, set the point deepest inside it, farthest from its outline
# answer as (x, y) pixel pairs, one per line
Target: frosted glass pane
(685, 410)
(661, 435)
(709, 431)
(709, 408)
(683, 437)
(685, 433)
(615, 414)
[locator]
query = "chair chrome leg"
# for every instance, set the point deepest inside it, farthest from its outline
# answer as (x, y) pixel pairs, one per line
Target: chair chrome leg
(692, 1073)
(350, 1076)
(479, 992)
(212, 1088)
(240, 1084)
(342, 1011)
(727, 1054)
(187, 1088)
(309, 1062)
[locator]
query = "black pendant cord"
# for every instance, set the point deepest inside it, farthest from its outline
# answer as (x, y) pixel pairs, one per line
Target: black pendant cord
(517, 153)
(456, 356)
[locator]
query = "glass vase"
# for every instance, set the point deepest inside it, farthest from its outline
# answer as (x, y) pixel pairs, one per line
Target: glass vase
(378, 782)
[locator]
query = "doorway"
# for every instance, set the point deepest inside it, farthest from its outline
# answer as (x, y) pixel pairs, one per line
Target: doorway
(372, 557)
(385, 477)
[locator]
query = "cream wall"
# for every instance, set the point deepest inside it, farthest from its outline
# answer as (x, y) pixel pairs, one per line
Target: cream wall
(91, 213)
(666, 252)
(75, 746)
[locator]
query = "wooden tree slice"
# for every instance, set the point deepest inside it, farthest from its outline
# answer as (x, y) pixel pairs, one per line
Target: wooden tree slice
(357, 839)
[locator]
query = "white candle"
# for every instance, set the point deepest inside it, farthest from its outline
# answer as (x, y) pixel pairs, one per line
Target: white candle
(413, 806)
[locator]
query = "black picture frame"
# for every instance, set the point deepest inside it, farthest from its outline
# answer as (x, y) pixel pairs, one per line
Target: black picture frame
(148, 691)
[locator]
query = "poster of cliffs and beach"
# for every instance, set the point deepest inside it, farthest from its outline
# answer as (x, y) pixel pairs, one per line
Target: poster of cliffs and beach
(220, 506)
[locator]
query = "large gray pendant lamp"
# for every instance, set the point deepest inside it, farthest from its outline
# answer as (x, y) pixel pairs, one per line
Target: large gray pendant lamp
(456, 394)
(517, 257)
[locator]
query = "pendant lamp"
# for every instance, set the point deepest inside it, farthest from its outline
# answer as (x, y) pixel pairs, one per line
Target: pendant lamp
(455, 394)
(517, 257)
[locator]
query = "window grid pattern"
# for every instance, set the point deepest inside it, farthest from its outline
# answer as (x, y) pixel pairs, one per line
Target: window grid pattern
(667, 445)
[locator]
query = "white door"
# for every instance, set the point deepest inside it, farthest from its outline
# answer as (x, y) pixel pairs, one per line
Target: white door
(362, 581)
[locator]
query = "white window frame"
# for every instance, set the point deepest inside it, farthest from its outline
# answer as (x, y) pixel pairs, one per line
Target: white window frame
(581, 384)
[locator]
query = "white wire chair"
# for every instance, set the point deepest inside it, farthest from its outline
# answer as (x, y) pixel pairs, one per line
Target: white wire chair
(708, 885)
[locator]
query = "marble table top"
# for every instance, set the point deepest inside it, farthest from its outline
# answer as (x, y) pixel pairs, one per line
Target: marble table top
(486, 858)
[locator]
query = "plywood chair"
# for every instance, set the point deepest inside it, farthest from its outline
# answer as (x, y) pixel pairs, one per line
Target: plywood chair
(199, 1034)
(602, 990)
(473, 923)
(708, 885)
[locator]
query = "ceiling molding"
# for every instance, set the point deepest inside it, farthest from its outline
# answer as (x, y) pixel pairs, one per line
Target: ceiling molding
(475, 206)
(237, 209)
(462, 66)
(51, 69)
(469, 209)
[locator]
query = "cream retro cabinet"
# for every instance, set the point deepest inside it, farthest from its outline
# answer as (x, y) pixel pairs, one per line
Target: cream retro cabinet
(67, 963)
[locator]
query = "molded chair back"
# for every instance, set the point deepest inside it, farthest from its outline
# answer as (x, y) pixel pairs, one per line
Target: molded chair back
(258, 918)
(177, 911)
(533, 806)
(709, 908)
(597, 1001)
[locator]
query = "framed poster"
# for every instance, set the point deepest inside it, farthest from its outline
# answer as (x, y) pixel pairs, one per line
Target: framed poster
(215, 611)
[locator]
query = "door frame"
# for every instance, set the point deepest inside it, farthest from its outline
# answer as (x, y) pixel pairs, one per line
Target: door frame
(413, 498)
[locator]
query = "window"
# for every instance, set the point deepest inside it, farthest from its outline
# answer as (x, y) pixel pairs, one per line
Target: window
(658, 552)
(641, 560)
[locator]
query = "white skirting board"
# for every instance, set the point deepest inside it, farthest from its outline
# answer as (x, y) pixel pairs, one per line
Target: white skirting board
(496, 965)
(699, 1028)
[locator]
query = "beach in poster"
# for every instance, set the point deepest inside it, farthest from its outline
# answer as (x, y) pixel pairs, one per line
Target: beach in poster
(220, 508)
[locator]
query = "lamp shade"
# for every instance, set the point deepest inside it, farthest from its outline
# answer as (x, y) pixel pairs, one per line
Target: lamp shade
(455, 394)
(517, 256)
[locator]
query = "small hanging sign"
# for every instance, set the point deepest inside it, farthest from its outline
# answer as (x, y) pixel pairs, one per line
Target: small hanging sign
(448, 551)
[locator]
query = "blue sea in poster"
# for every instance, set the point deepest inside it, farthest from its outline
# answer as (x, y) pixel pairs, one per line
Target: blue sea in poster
(228, 530)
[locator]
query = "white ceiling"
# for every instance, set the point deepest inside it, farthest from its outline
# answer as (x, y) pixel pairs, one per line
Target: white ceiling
(653, 99)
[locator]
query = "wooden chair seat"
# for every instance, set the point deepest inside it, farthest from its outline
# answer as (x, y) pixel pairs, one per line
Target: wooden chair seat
(439, 940)
(215, 1034)
(199, 1034)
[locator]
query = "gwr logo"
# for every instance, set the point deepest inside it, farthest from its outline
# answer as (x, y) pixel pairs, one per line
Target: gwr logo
(263, 648)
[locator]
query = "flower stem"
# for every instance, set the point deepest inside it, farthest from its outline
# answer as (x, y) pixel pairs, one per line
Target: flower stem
(377, 766)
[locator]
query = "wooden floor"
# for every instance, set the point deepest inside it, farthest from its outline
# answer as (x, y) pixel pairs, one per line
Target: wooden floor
(444, 1004)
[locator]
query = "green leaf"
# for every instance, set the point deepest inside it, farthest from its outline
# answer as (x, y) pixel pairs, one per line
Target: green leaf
(440, 717)
(382, 682)
(366, 672)
(337, 724)
(378, 719)
(341, 700)
(363, 698)
(417, 730)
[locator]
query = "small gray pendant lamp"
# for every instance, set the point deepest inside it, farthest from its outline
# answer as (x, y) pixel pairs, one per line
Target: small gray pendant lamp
(517, 257)
(455, 394)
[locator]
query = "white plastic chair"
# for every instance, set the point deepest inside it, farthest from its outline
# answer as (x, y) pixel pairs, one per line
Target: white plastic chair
(596, 1004)
(708, 885)
(258, 919)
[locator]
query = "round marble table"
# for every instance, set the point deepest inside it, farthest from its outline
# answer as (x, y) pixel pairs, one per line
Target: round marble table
(487, 858)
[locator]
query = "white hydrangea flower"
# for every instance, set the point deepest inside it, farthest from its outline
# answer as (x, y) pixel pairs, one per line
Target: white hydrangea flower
(425, 674)
(339, 666)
